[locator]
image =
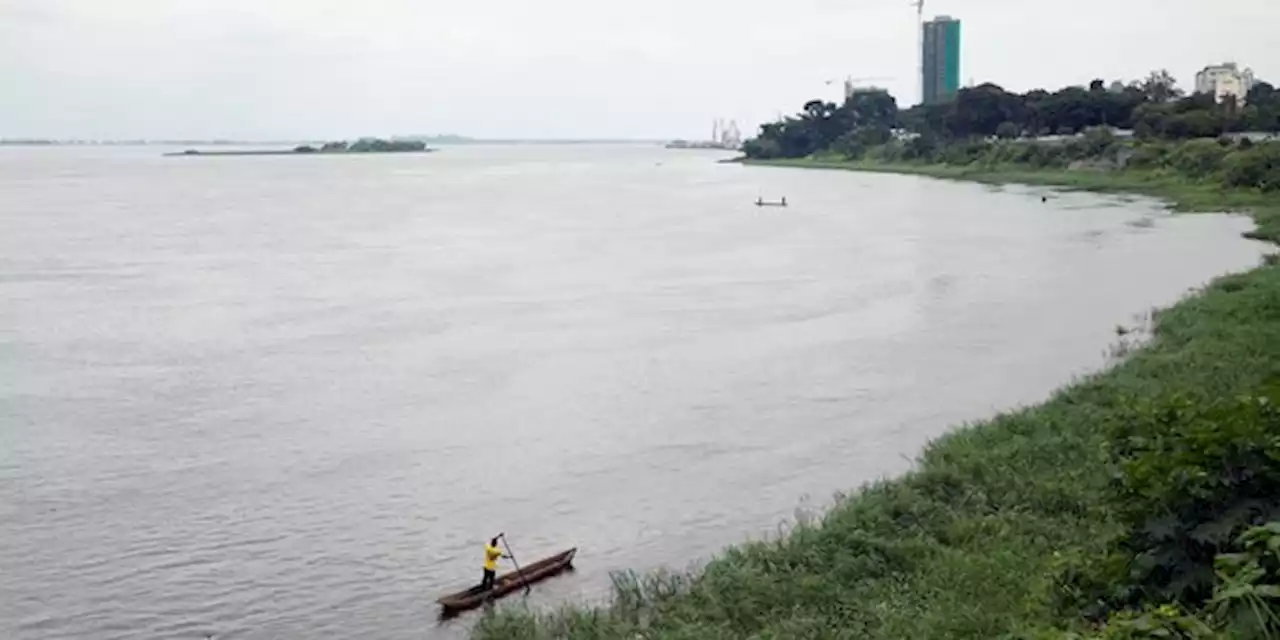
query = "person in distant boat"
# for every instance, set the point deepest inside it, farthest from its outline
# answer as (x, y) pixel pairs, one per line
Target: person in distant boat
(491, 555)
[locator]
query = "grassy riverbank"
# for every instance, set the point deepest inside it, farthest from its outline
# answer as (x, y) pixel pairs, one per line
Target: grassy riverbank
(1019, 526)
(1181, 192)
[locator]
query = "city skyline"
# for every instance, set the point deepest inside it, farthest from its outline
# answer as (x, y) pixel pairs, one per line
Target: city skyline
(295, 69)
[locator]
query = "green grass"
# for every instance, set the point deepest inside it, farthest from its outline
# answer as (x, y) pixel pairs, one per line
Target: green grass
(1182, 193)
(973, 542)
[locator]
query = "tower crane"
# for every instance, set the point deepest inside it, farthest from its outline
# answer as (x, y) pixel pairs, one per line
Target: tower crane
(919, 5)
(864, 79)
(850, 83)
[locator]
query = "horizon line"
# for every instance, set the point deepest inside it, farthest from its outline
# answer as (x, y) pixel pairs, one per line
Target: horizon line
(440, 139)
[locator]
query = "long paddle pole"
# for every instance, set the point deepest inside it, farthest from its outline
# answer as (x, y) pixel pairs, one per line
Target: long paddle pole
(519, 572)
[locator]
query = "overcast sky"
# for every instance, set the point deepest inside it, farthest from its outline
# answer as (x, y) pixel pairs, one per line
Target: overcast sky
(270, 69)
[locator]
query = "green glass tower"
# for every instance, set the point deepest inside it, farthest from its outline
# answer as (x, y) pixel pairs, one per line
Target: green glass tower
(941, 59)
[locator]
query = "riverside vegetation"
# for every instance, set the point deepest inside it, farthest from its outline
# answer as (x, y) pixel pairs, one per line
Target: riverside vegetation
(1139, 502)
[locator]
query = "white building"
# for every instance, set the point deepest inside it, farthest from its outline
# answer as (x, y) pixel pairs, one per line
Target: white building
(1226, 79)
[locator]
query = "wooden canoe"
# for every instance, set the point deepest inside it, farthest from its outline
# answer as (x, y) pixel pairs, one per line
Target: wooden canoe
(507, 582)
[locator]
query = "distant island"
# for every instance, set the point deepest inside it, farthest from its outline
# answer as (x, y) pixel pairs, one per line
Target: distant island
(429, 140)
(363, 145)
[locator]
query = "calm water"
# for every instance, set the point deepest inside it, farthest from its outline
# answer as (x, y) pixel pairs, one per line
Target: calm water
(290, 397)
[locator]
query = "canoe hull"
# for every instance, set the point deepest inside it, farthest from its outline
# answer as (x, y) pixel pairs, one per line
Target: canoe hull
(507, 583)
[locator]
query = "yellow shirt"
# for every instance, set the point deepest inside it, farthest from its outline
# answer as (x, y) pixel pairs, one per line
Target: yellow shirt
(491, 555)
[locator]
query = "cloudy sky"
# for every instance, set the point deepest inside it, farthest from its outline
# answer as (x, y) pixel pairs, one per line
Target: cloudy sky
(270, 69)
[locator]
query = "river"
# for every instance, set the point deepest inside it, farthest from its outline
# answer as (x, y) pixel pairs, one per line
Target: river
(286, 397)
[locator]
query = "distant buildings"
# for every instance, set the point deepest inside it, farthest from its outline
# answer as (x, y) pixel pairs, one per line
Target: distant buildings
(940, 59)
(1226, 79)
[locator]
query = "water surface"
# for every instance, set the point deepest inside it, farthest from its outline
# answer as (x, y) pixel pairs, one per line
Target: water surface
(291, 396)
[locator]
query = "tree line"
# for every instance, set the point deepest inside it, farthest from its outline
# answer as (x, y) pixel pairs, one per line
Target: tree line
(1154, 107)
(365, 145)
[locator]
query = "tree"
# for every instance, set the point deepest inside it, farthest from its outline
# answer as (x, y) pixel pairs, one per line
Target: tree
(1036, 116)
(762, 147)
(849, 145)
(817, 109)
(1262, 108)
(1262, 93)
(1160, 86)
(1231, 109)
(980, 110)
(1008, 131)
(1195, 102)
(926, 118)
(788, 138)
(1152, 107)
(1071, 110)
(872, 109)
(1193, 117)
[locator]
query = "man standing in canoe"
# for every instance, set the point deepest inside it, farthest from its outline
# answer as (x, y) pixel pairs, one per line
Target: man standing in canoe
(491, 555)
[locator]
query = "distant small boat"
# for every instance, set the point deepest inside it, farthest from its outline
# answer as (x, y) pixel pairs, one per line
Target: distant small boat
(506, 583)
(761, 202)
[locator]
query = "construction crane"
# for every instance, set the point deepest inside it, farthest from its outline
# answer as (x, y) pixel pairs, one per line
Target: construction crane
(866, 79)
(919, 5)
(850, 83)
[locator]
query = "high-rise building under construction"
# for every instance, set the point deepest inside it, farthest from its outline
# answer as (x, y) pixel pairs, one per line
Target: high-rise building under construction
(940, 59)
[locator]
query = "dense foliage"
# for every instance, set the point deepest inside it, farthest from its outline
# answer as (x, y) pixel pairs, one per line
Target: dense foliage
(1225, 163)
(365, 145)
(1152, 108)
(1193, 472)
(383, 146)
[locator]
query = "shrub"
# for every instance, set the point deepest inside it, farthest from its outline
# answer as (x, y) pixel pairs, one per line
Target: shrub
(1165, 621)
(763, 148)
(1149, 156)
(1257, 166)
(1050, 156)
(850, 145)
(1193, 474)
(1098, 142)
(874, 135)
(1198, 158)
(1249, 589)
(963, 153)
(1006, 153)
